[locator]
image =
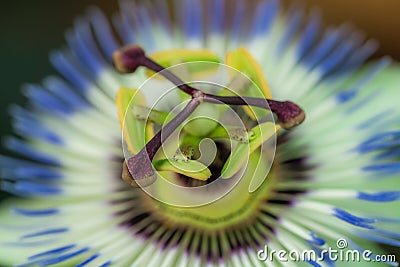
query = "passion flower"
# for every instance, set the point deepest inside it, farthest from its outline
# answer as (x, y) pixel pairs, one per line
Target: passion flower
(215, 169)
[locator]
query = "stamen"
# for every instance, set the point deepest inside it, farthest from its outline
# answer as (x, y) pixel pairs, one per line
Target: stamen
(184, 153)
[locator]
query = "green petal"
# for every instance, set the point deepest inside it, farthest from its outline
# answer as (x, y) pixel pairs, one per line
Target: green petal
(239, 156)
(260, 172)
(136, 130)
(230, 132)
(190, 168)
(157, 116)
(243, 61)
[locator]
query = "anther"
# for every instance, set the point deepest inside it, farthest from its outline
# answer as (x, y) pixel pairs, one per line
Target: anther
(289, 114)
(128, 59)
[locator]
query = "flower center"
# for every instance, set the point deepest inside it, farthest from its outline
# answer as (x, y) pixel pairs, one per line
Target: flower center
(203, 162)
(139, 169)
